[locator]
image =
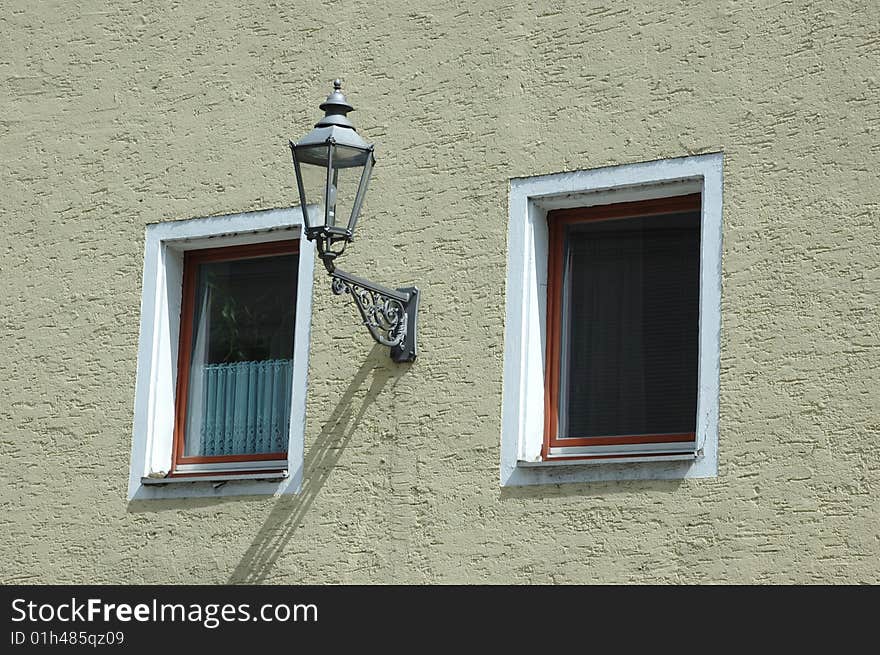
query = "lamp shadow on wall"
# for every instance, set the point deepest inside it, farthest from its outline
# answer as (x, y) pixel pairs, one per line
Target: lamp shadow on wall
(320, 460)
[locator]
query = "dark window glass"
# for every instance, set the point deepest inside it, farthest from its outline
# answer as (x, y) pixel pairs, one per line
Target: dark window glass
(241, 359)
(630, 314)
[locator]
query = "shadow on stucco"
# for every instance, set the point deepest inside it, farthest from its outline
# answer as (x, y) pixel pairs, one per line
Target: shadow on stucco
(289, 512)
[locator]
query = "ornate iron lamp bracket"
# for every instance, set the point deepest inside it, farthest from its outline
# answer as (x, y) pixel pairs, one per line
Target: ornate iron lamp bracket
(389, 314)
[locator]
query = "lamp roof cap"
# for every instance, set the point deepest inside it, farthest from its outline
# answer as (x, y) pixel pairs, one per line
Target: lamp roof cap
(335, 108)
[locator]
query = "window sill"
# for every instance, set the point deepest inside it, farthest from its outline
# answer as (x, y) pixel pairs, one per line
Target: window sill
(218, 478)
(582, 461)
(673, 466)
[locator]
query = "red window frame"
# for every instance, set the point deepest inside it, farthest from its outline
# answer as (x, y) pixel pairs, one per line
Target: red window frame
(191, 261)
(558, 220)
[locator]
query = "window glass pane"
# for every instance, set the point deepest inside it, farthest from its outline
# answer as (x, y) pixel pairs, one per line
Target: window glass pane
(630, 314)
(242, 357)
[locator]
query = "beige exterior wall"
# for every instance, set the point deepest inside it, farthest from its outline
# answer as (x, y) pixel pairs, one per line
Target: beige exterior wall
(114, 115)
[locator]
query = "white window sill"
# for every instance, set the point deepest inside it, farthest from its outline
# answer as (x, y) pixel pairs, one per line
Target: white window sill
(270, 475)
(609, 460)
(574, 471)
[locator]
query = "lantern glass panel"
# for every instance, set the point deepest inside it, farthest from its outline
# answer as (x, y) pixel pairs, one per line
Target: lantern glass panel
(313, 171)
(344, 182)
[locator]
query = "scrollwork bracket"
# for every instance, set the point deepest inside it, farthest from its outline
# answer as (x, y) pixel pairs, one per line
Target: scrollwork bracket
(389, 314)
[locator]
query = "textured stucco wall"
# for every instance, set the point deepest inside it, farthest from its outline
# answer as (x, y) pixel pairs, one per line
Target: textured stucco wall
(116, 114)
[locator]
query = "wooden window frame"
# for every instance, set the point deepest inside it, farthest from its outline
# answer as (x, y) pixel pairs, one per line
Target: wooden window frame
(558, 221)
(191, 261)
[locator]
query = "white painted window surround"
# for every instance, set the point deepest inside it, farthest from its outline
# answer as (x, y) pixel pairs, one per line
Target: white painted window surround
(525, 329)
(153, 430)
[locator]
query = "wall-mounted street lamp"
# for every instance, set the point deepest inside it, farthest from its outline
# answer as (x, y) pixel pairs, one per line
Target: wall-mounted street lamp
(333, 165)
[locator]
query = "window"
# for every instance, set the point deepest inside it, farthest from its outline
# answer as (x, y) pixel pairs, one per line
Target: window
(612, 331)
(235, 358)
(623, 315)
(222, 357)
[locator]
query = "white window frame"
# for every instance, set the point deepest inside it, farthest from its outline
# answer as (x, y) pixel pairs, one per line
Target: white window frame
(154, 407)
(525, 332)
